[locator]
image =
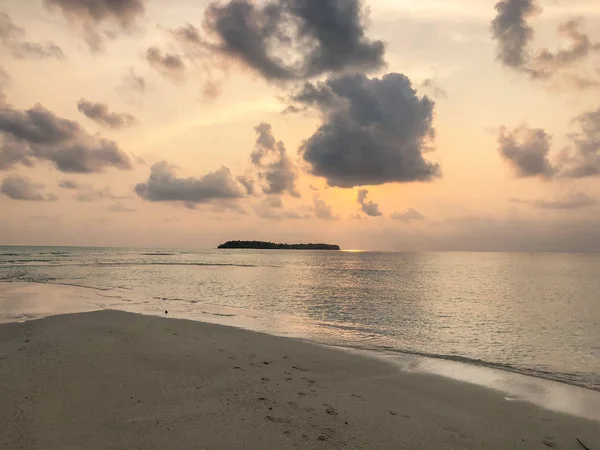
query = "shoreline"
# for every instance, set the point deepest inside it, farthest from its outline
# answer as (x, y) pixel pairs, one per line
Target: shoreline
(38, 300)
(137, 381)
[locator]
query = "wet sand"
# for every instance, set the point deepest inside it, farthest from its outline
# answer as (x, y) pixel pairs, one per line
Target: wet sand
(116, 380)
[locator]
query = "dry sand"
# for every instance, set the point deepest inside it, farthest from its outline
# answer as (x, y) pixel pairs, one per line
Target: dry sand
(116, 380)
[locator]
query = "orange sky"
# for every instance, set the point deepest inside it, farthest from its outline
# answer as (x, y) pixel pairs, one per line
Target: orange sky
(478, 203)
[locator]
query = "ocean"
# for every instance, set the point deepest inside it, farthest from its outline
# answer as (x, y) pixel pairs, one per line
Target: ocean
(534, 314)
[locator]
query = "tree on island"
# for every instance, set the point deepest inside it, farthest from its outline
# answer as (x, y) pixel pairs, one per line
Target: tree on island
(274, 246)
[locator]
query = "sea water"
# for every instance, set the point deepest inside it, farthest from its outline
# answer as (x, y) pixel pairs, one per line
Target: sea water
(535, 314)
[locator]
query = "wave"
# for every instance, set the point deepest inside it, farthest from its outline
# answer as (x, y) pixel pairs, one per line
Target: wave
(159, 254)
(21, 263)
(580, 379)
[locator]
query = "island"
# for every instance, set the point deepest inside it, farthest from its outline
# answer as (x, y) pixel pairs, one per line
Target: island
(273, 246)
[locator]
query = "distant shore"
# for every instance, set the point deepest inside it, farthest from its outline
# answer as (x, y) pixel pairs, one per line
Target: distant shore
(112, 379)
(261, 245)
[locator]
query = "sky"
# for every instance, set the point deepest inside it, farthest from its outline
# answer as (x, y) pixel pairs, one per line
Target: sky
(454, 125)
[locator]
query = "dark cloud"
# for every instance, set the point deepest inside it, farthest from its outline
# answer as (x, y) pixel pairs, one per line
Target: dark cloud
(13, 152)
(100, 19)
(408, 215)
(271, 160)
(369, 208)
(323, 210)
(526, 150)
(292, 39)
(39, 134)
(164, 186)
(21, 188)
(316, 96)
(170, 65)
(99, 113)
(374, 131)
(512, 31)
(12, 38)
(574, 200)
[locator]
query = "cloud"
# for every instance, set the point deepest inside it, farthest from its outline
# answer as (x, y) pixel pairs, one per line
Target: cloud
(434, 88)
(272, 207)
(247, 182)
(169, 65)
(292, 39)
(21, 188)
(574, 200)
(323, 210)
(4, 78)
(582, 158)
(546, 63)
(39, 134)
(526, 150)
(515, 235)
(511, 29)
(514, 35)
(69, 184)
(374, 131)
(408, 215)
(274, 167)
(100, 19)
(133, 87)
(208, 68)
(87, 193)
(12, 39)
(369, 208)
(164, 186)
(99, 113)
(90, 196)
(119, 207)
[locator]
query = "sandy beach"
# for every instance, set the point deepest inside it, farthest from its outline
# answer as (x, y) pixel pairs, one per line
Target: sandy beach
(118, 380)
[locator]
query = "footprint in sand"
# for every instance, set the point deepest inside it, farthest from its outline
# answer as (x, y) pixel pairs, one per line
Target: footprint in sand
(277, 419)
(330, 410)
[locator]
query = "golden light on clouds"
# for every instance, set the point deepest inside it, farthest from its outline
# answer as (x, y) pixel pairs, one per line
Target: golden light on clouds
(445, 50)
